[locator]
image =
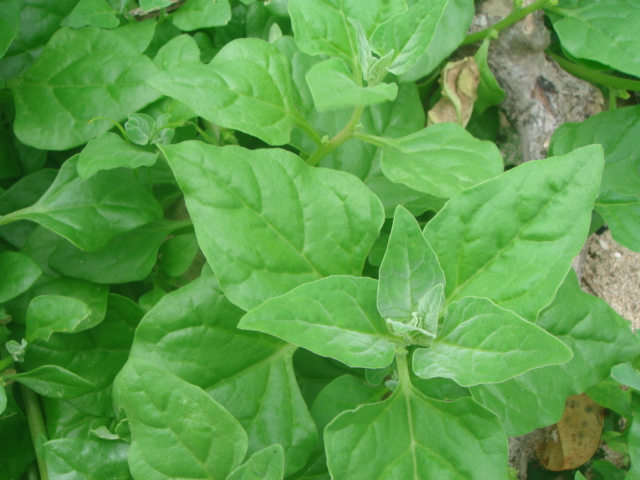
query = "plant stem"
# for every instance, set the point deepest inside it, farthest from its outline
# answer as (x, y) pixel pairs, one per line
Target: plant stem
(592, 76)
(5, 363)
(513, 17)
(306, 127)
(373, 139)
(343, 135)
(402, 364)
(36, 427)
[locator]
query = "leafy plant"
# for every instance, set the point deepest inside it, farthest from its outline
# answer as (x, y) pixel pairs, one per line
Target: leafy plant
(374, 299)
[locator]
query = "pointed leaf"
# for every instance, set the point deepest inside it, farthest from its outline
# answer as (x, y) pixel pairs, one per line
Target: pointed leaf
(19, 272)
(53, 313)
(409, 34)
(9, 23)
(53, 381)
(402, 437)
(180, 49)
(267, 464)
(333, 88)
(604, 32)
(333, 317)
(441, 160)
(261, 218)
(92, 13)
(90, 213)
(129, 257)
(619, 198)
(80, 459)
(247, 75)
(110, 151)
(483, 343)
(196, 14)
(322, 27)
(258, 387)
(80, 75)
(450, 32)
(411, 280)
(536, 398)
(178, 431)
(530, 222)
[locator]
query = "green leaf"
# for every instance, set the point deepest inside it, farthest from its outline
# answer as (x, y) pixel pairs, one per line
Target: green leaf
(140, 128)
(110, 151)
(90, 213)
(87, 459)
(3, 399)
(180, 49)
(334, 317)
(80, 75)
(53, 381)
(44, 20)
(177, 429)
(92, 13)
(409, 34)
(322, 27)
(450, 32)
(19, 272)
(627, 374)
(604, 32)
(259, 387)
(9, 23)
(97, 355)
(15, 441)
(489, 91)
(177, 254)
(483, 343)
(414, 429)
(619, 198)
(197, 14)
(411, 289)
(138, 34)
(54, 313)
(344, 393)
(536, 398)
(129, 257)
(286, 206)
(333, 87)
(267, 464)
(247, 75)
(530, 222)
(441, 160)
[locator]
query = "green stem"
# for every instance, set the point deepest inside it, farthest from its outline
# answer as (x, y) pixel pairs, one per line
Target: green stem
(592, 76)
(5, 363)
(115, 124)
(306, 127)
(373, 139)
(613, 99)
(402, 364)
(513, 17)
(345, 134)
(36, 427)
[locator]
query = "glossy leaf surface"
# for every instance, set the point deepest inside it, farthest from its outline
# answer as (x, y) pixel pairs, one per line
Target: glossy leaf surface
(441, 160)
(53, 381)
(529, 222)
(247, 75)
(81, 74)
(619, 197)
(536, 398)
(19, 272)
(48, 314)
(333, 88)
(483, 343)
(333, 317)
(259, 387)
(267, 464)
(80, 459)
(177, 429)
(604, 32)
(89, 213)
(196, 14)
(240, 199)
(411, 288)
(413, 427)
(110, 151)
